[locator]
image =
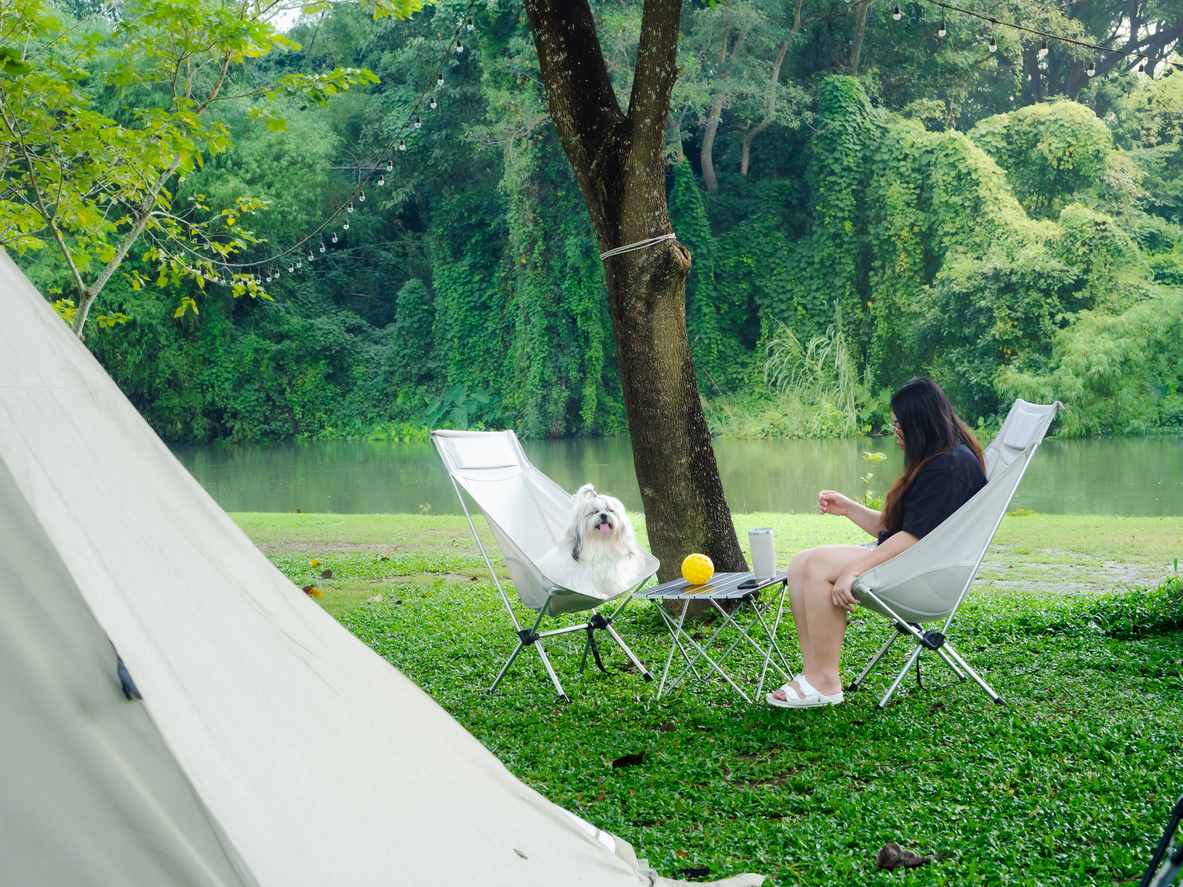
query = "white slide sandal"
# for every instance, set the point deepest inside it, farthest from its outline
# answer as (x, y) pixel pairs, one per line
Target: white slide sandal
(808, 697)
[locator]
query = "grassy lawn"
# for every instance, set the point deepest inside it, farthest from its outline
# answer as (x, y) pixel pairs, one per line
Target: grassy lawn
(1068, 784)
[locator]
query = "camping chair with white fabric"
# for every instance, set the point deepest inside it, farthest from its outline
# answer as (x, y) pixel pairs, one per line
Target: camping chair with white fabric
(928, 581)
(528, 514)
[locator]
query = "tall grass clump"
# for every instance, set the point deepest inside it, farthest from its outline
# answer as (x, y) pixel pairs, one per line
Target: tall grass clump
(815, 383)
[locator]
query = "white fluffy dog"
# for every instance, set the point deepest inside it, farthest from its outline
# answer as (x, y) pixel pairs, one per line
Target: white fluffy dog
(598, 551)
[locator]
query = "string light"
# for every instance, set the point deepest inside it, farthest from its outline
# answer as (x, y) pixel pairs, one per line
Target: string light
(897, 13)
(273, 272)
(993, 45)
(322, 245)
(1045, 35)
(433, 104)
(942, 31)
(1142, 66)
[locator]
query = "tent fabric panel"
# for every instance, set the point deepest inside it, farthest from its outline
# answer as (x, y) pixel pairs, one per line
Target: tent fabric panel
(92, 797)
(322, 763)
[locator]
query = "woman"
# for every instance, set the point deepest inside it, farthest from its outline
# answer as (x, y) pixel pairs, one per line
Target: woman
(943, 468)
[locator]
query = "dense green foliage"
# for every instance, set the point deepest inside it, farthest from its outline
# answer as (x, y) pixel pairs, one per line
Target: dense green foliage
(810, 797)
(954, 223)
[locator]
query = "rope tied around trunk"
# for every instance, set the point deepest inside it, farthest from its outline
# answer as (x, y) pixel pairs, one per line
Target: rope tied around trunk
(640, 244)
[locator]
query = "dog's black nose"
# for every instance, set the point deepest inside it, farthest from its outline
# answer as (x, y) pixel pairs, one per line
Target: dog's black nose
(603, 516)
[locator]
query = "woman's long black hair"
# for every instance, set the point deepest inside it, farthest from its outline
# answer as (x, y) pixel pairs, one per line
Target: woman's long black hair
(929, 427)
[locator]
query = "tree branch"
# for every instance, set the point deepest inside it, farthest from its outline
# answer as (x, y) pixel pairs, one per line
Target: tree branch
(573, 68)
(145, 213)
(653, 81)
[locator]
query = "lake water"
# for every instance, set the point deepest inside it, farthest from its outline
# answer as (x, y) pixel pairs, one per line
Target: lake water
(1133, 476)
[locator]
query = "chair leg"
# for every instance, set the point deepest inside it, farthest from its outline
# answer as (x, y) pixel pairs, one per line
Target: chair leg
(949, 662)
(505, 668)
(998, 700)
(898, 678)
(627, 652)
(879, 654)
(554, 678)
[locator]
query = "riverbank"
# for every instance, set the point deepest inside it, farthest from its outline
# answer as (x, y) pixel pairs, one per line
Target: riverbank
(1047, 554)
(1068, 784)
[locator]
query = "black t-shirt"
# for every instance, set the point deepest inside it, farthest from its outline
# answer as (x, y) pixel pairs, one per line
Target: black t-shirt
(946, 483)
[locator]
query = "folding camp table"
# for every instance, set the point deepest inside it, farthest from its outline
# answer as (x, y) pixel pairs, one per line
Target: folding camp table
(742, 591)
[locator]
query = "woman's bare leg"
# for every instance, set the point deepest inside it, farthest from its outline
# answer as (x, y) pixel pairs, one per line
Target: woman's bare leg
(821, 626)
(797, 571)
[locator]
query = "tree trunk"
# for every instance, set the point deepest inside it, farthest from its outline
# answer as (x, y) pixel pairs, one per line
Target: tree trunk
(706, 154)
(860, 31)
(745, 148)
(618, 161)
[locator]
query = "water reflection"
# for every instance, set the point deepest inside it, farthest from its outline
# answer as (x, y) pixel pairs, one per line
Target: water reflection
(1117, 476)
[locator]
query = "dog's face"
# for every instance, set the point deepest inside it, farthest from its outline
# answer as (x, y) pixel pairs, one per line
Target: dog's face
(599, 520)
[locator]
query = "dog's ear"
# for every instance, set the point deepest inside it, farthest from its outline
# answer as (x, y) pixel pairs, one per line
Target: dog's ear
(627, 536)
(573, 537)
(587, 491)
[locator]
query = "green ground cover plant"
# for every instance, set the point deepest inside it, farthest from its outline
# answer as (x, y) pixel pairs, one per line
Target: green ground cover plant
(1067, 784)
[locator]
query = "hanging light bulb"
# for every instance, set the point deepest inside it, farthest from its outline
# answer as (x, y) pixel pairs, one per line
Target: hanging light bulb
(993, 46)
(459, 47)
(1043, 49)
(311, 256)
(349, 208)
(897, 13)
(322, 245)
(390, 166)
(418, 121)
(299, 264)
(345, 226)
(439, 81)
(361, 197)
(291, 269)
(402, 144)
(334, 237)
(468, 25)
(1091, 70)
(942, 31)
(381, 180)
(433, 104)
(1142, 66)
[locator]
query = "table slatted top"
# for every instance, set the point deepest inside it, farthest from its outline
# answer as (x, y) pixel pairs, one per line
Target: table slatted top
(722, 587)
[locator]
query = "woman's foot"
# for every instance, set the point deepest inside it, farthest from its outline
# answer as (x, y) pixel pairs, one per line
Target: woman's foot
(800, 693)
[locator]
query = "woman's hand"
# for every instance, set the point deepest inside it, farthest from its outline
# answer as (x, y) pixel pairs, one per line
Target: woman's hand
(842, 595)
(831, 502)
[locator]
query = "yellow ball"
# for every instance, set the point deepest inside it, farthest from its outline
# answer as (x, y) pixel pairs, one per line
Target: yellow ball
(697, 569)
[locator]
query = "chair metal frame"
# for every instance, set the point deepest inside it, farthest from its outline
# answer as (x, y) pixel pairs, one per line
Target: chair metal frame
(933, 640)
(532, 637)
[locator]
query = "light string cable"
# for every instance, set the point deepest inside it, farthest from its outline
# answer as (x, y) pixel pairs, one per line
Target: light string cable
(897, 14)
(397, 144)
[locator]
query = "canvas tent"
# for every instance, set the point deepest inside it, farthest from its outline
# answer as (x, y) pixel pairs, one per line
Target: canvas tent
(269, 747)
